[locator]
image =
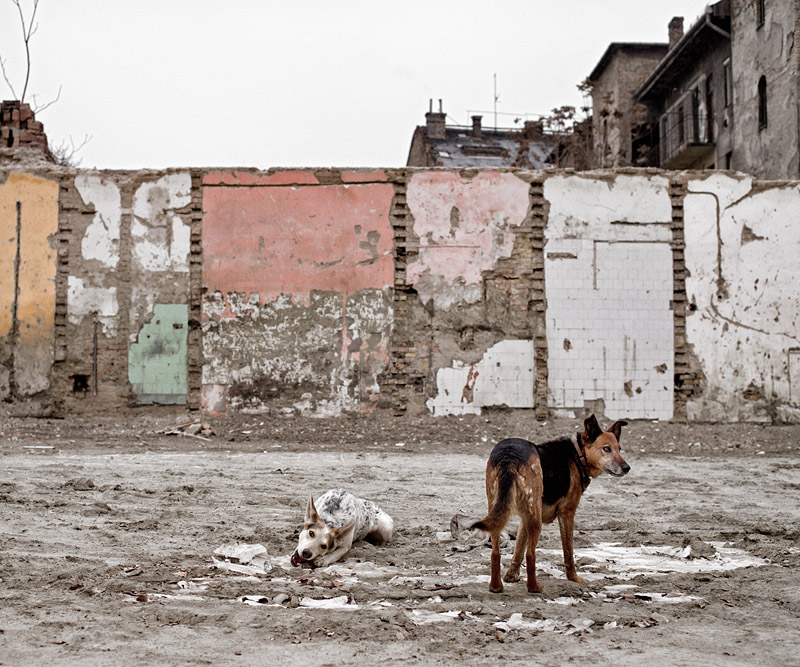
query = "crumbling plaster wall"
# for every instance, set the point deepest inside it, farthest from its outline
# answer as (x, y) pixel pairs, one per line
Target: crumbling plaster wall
(444, 291)
(127, 251)
(744, 305)
(298, 275)
(473, 308)
(28, 226)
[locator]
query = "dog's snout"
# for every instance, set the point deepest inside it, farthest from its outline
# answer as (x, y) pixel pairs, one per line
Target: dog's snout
(625, 468)
(306, 553)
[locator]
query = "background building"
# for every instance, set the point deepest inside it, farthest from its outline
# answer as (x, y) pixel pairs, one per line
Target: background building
(724, 95)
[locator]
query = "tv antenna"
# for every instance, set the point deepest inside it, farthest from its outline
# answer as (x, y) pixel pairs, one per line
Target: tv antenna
(496, 100)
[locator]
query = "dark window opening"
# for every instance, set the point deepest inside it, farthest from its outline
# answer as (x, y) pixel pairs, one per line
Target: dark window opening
(761, 12)
(709, 109)
(726, 82)
(762, 103)
(681, 126)
(80, 384)
(695, 115)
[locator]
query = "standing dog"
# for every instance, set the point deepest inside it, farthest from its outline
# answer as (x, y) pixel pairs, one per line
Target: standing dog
(342, 518)
(540, 483)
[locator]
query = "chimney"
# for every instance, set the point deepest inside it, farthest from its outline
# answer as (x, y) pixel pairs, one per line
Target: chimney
(533, 130)
(675, 30)
(435, 122)
(477, 132)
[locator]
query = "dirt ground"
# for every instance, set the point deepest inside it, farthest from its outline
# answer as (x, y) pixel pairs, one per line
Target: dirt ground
(107, 534)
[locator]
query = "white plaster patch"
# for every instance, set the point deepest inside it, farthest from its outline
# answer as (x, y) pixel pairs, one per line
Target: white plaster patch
(504, 376)
(744, 312)
(630, 562)
(620, 207)
(101, 240)
(465, 226)
(610, 327)
(84, 300)
(161, 240)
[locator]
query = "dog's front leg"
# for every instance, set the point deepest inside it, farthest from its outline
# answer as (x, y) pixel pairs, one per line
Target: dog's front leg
(333, 556)
(566, 524)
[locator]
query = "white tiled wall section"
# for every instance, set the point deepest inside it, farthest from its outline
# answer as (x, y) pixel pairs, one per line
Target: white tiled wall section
(610, 327)
(504, 376)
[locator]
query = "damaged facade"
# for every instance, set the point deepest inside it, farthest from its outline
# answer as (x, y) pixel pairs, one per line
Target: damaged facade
(634, 294)
(721, 95)
(631, 293)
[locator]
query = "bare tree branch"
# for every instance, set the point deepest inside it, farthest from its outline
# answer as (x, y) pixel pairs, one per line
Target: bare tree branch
(66, 154)
(5, 76)
(36, 108)
(27, 33)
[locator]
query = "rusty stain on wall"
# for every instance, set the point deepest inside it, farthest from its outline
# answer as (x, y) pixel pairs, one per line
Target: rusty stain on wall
(28, 223)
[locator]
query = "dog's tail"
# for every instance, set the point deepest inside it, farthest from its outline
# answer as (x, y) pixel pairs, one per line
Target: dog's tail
(500, 512)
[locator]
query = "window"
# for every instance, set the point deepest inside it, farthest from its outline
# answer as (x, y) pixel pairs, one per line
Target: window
(709, 108)
(762, 103)
(760, 13)
(726, 82)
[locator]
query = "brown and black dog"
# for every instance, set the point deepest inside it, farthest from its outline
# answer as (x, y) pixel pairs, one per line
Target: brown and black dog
(540, 483)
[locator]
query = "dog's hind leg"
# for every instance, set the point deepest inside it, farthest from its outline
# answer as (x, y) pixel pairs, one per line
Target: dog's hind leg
(566, 524)
(382, 531)
(495, 583)
(530, 510)
(519, 550)
(533, 530)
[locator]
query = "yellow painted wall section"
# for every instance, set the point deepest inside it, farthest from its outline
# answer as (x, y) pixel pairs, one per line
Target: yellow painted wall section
(37, 274)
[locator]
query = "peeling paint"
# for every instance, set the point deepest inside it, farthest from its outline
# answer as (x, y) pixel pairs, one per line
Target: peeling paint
(504, 376)
(297, 313)
(157, 361)
(160, 237)
(743, 287)
(322, 359)
(590, 207)
(101, 240)
(28, 222)
(84, 300)
(465, 226)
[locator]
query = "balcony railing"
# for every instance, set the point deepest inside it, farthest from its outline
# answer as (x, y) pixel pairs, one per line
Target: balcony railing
(685, 136)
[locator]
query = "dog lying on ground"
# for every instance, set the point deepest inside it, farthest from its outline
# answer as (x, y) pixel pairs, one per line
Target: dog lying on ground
(541, 483)
(336, 521)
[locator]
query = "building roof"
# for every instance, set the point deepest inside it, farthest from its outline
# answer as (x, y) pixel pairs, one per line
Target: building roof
(494, 148)
(713, 25)
(615, 47)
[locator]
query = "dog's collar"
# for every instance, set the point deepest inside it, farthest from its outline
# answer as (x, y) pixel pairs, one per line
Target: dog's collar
(581, 462)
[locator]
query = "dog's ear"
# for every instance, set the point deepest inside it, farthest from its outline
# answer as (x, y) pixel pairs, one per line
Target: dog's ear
(311, 511)
(343, 532)
(616, 428)
(592, 429)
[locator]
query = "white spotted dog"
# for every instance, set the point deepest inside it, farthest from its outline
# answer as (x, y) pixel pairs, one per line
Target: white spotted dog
(336, 521)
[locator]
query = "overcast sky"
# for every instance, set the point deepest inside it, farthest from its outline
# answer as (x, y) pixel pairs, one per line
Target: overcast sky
(261, 83)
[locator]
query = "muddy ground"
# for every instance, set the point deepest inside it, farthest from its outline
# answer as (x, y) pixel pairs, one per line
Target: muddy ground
(107, 532)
